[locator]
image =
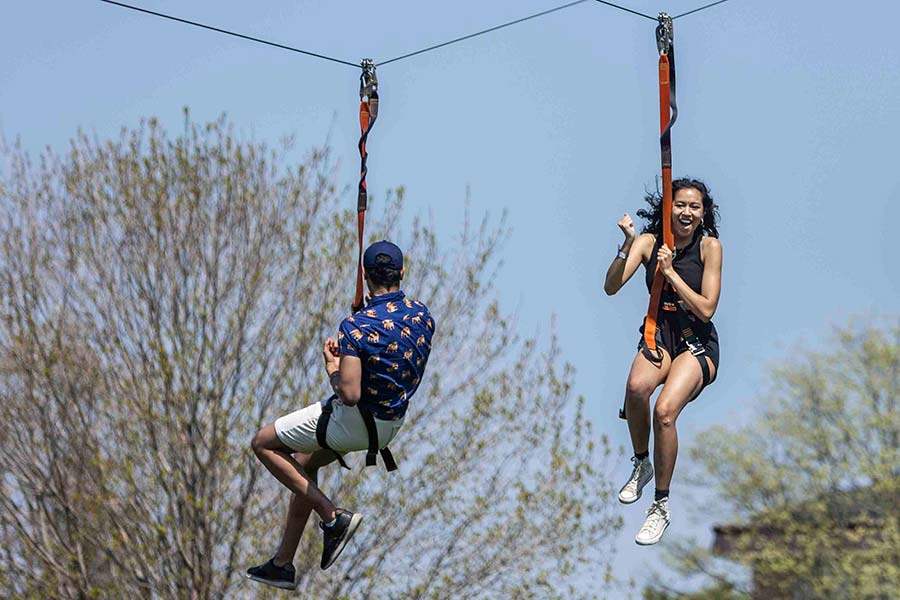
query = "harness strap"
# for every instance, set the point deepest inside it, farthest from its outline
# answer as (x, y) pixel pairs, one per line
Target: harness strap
(389, 463)
(322, 429)
(368, 112)
(371, 430)
(704, 368)
(668, 113)
(687, 334)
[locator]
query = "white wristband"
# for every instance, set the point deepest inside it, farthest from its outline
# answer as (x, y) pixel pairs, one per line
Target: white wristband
(620, 254)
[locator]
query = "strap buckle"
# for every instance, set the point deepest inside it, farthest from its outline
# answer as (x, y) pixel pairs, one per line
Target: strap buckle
(665, 35)
(368, 81)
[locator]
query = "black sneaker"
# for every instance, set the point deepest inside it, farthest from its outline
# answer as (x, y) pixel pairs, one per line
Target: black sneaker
(337, 536)
(270, 574)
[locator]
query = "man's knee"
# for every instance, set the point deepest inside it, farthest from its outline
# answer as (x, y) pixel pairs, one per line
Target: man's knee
(264, 439)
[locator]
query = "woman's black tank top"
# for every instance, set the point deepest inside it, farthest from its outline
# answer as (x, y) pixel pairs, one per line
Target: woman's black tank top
(689, 267)
(687, 264)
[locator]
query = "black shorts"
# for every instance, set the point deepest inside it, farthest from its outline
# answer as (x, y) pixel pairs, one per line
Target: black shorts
(668, 336)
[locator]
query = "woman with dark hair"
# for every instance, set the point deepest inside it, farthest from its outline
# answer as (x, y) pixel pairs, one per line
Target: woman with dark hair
(687, 357)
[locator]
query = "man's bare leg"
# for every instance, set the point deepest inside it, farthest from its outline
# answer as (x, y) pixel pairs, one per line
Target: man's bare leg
(276, 457)
(299, 510)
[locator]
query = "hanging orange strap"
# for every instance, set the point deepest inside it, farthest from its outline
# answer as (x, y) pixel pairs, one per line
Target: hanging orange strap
(668, 112)
(368, 112)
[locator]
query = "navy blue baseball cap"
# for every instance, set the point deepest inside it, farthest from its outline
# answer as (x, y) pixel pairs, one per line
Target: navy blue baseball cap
(385, 248)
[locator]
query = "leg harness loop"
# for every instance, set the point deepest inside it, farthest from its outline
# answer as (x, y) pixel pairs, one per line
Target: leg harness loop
(322, 429)
(371, 430)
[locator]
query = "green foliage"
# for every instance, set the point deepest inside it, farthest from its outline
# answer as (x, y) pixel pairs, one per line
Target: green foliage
(163, 298)
(720, 591)
(812, 481)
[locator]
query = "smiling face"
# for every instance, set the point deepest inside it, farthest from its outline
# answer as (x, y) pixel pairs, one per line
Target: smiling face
(687, 212)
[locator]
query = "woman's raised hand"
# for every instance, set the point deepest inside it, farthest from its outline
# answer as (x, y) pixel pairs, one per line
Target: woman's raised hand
(627, 227)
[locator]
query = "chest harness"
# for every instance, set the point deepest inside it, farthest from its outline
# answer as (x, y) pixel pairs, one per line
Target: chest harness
(368, 113)
(668, 114)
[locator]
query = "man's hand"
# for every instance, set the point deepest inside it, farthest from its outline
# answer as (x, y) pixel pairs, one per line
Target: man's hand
(332, 355)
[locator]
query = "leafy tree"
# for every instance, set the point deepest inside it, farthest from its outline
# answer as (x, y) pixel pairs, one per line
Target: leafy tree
(718, 591)
(162, 298)
(812, 481)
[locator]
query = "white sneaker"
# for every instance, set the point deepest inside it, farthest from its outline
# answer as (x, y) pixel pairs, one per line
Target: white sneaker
(640, 476)
(656, 523)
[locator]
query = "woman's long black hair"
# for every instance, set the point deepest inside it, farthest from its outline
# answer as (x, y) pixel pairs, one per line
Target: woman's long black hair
(653, 216)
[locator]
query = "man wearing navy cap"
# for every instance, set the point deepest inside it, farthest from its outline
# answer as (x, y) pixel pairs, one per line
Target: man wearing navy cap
(374, 367)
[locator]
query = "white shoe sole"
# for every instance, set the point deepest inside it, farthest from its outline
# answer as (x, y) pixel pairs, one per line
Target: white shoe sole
(284, 585)
(640, 490)
(351, 529)
(633, 500)
(652, 540)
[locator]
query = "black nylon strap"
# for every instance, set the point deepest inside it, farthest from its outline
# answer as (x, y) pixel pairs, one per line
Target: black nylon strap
(666, 141)
(389, 463)
(362, 195)
(704, 367)
(322, 429)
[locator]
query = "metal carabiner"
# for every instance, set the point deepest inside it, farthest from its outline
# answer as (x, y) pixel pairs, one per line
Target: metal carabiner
(368, 81)
(664, 33)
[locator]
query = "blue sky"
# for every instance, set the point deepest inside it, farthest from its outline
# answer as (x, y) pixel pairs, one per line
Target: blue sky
(789, 111)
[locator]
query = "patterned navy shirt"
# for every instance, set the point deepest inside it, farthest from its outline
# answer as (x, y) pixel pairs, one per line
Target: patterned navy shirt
(392, 338)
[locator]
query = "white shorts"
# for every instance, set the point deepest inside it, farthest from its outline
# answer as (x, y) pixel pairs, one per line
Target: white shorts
(346, 429)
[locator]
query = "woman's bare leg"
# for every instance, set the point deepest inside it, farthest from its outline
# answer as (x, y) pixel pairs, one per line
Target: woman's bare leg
(685, 379)
(643, 380)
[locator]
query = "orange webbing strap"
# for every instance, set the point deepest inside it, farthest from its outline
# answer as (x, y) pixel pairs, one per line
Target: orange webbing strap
(368, 112)
(668, 112)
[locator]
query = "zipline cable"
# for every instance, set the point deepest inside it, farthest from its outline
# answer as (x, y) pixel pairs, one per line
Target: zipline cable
(690, 12)
(225, 31)
(634, 12)
(404, 56)
(471, 35)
